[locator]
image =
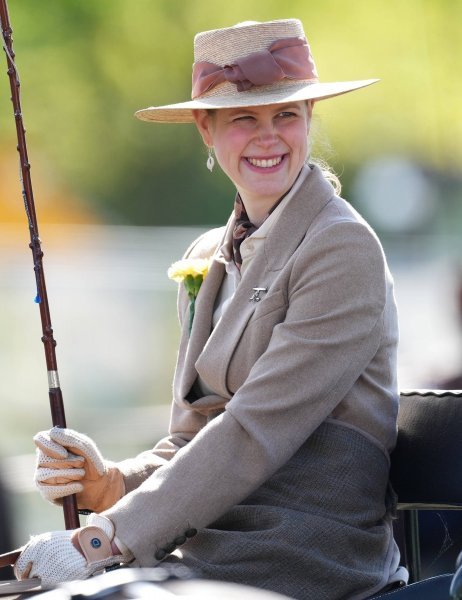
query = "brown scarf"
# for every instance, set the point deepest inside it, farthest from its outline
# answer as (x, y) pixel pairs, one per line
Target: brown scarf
(243, 227)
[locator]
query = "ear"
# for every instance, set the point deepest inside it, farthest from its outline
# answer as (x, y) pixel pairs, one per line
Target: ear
(204, 125)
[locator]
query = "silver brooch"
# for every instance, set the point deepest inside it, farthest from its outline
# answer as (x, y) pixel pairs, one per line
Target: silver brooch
(255, 297)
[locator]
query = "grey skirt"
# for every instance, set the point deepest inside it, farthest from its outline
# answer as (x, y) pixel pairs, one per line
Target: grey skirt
(319, 528)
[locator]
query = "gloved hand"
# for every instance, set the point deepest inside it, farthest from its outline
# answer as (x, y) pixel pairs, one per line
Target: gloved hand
(74, 554)
(68, 463)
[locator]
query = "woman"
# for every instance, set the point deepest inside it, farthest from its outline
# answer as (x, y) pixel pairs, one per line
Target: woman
(275, 472)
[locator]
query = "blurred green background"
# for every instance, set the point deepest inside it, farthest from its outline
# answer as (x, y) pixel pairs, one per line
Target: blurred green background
(118, 200)
(87, 66)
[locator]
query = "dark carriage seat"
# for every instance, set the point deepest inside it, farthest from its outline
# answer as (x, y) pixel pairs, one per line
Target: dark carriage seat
(426, 474)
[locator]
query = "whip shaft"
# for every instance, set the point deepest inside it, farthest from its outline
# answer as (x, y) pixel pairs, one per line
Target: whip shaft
(71, 517)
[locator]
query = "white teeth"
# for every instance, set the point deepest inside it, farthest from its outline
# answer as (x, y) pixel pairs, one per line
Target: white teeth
(265, 162)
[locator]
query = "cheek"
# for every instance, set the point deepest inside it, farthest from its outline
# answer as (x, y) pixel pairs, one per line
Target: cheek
(299, 142)
(301, 138)
(229, 147)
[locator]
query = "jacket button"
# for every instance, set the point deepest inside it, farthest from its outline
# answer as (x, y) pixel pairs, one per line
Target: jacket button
(160, 554)
(169, 548)
(181, 539)
(189, 533)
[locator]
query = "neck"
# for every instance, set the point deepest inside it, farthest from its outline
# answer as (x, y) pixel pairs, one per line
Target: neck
(258, 210)
(262, 211)
(258, 207)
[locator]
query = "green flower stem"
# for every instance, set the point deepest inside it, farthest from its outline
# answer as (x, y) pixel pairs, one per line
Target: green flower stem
(192, 307)
(192, 284)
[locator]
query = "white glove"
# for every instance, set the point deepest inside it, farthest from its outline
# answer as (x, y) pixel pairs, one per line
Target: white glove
(75, 554)
(68, 463)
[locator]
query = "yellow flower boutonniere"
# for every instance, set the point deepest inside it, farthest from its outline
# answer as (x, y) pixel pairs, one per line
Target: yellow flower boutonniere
(192, 272)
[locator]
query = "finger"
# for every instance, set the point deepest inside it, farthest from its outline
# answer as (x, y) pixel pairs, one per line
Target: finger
(55, 492)
(22, 573)
(72, 461)
(48, 446)
(72, 440)
(27, 570)
(24, 563)
(79, 444)
(58, 476)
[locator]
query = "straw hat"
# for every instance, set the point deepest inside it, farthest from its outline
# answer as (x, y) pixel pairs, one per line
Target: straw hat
(251, 64)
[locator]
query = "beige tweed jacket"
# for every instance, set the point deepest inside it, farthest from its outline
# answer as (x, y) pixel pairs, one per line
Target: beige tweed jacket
(320, 347)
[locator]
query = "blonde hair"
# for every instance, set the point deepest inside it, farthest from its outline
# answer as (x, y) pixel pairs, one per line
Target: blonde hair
(327, 172)
(317, 136)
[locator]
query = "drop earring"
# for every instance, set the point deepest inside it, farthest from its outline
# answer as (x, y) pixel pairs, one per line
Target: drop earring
(210, 160)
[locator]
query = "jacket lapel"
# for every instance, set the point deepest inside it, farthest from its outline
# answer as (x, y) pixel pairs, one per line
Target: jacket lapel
(295, 220)
(202, 324)
(228, 331)
(283, 239)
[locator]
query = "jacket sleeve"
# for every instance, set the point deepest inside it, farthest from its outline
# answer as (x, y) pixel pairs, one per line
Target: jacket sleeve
(184, 425)
(331, 332)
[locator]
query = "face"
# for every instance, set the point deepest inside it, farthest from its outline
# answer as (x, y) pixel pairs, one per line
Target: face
(261, 149)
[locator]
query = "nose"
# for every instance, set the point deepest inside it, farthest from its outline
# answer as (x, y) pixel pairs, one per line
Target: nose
(266, 133)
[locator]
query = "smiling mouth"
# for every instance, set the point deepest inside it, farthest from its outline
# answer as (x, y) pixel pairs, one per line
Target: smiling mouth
(265, 163)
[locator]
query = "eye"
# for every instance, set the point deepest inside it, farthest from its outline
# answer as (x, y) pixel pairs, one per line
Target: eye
(287, 114)
(243, 118)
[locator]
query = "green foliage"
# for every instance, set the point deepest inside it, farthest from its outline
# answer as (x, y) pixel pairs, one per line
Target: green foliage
(87, 66)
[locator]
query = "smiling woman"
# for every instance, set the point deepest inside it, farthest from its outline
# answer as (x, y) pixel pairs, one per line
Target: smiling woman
(274, 472)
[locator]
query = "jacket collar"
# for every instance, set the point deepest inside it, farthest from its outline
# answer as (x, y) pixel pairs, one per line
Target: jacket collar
(295, 220)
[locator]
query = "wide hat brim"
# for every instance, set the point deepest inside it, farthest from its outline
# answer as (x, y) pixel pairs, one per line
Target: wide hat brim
(256, 96)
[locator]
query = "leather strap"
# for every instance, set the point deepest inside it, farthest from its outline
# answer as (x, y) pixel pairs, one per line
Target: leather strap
(9, 558)
(94, 543)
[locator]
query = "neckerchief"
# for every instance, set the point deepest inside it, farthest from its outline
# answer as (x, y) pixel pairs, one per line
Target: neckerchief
(243, 227)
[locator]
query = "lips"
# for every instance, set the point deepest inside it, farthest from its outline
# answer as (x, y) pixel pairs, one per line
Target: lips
(265, 163)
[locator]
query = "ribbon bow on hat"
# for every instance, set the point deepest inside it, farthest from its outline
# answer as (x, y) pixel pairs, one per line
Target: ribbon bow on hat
(285, 58)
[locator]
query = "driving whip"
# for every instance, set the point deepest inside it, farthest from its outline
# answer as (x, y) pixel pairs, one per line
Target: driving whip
(71, 517)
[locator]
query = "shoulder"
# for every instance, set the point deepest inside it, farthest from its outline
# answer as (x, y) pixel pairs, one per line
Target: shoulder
(341, 248)
(206, 244)
(345, 228)
(332, 214)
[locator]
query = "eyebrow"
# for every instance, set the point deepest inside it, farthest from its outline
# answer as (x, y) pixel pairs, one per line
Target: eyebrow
(251, 110)
(286, 106)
